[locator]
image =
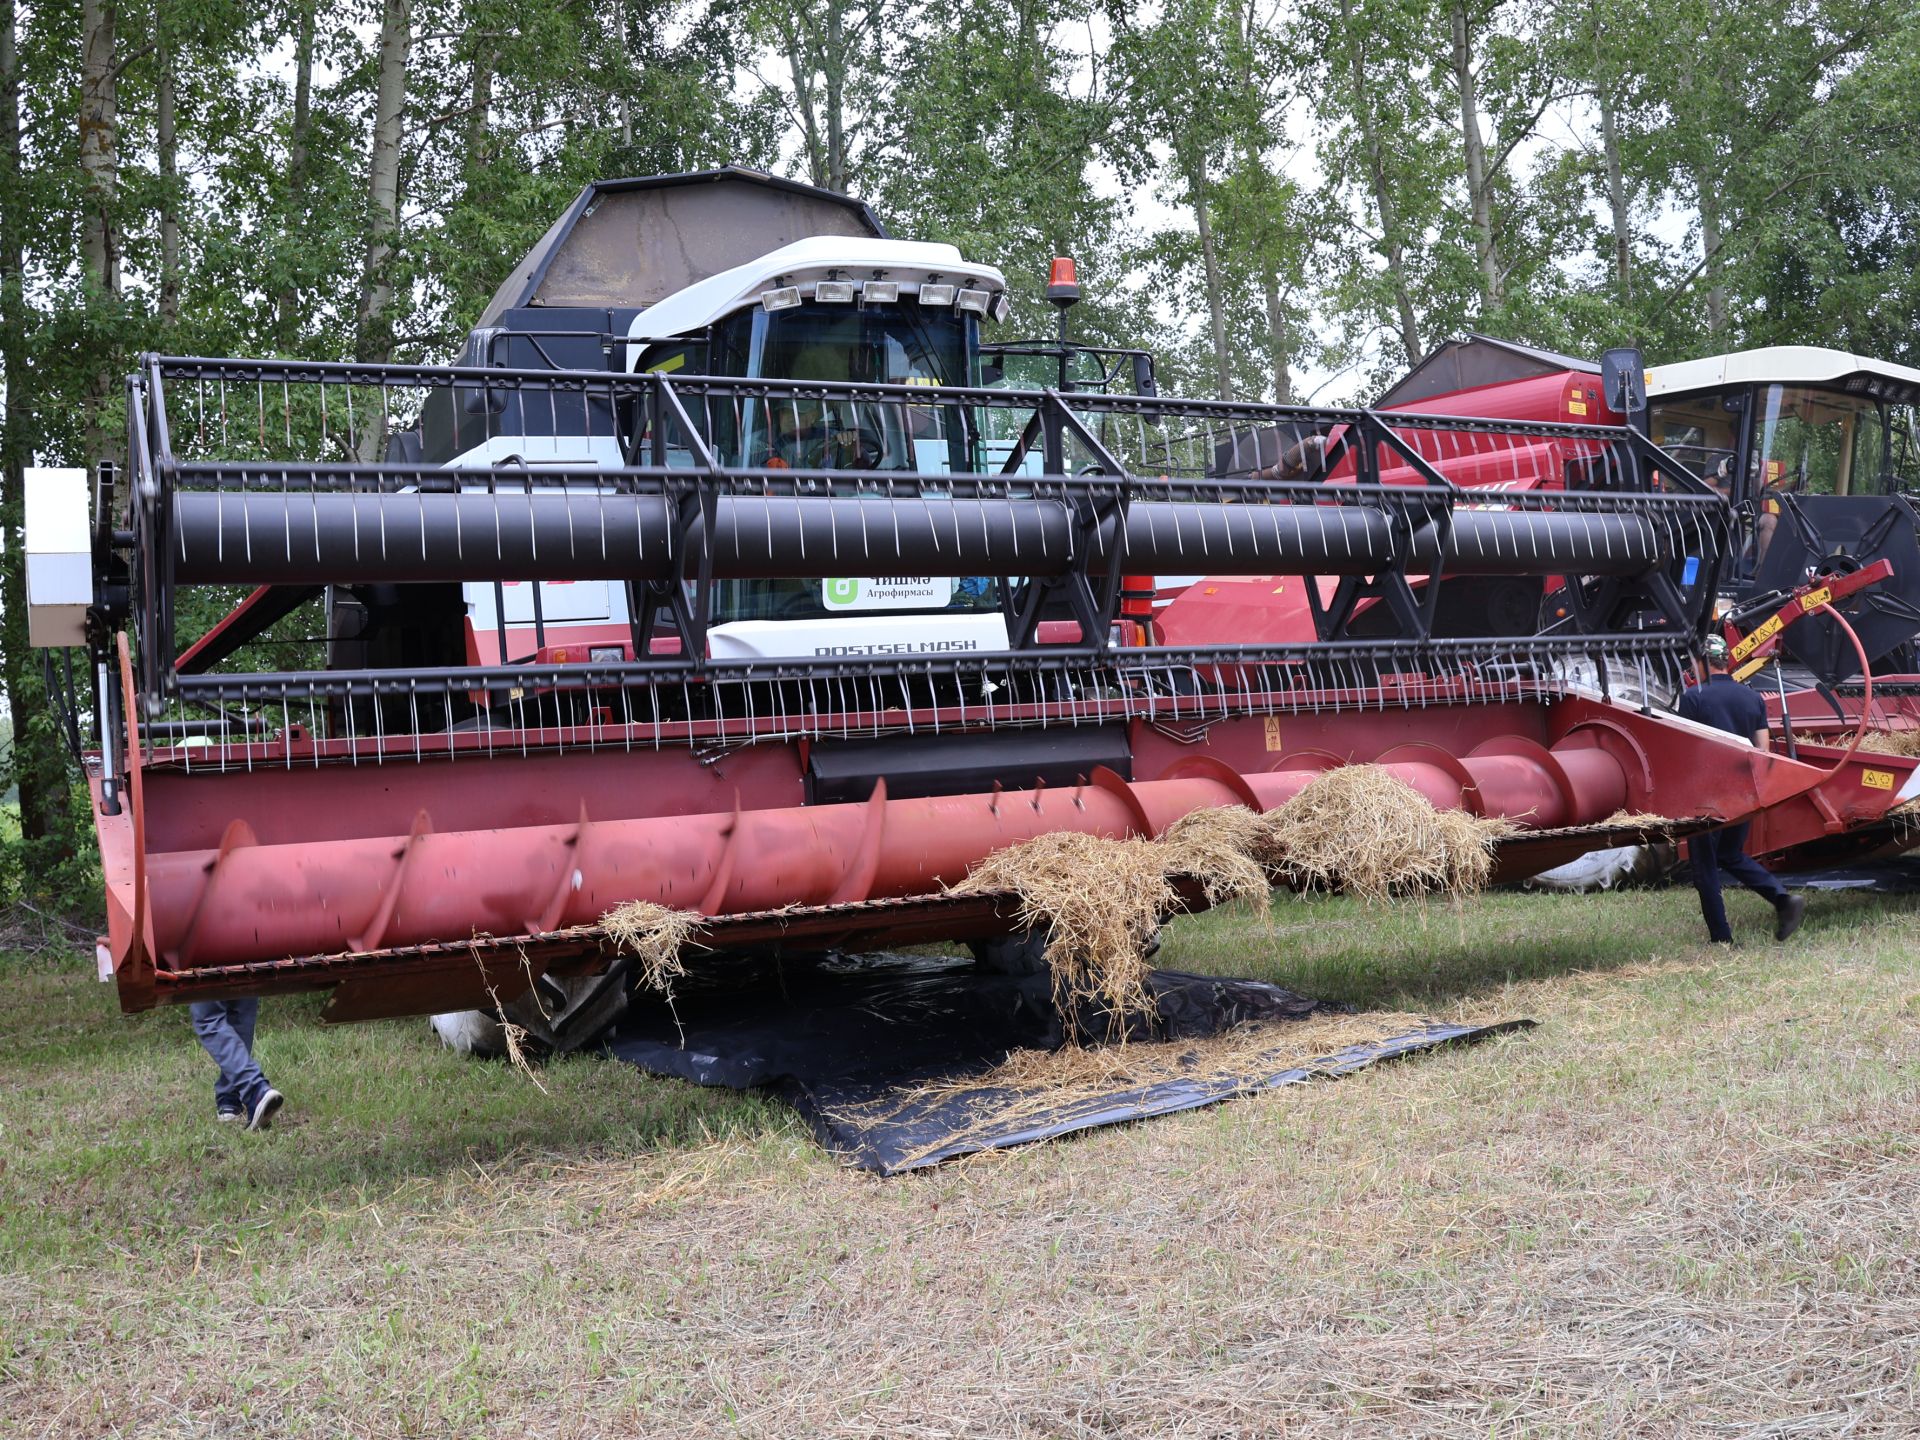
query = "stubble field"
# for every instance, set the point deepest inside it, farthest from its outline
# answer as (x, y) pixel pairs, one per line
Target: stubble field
(1686, 1204)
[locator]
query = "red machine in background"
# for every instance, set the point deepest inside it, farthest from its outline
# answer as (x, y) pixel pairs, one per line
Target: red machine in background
(1813, 449)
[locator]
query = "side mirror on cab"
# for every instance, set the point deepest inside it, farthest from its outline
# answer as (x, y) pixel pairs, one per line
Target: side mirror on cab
(1623, 381)
(480, 399)
(1143, 381)
(1145, 385)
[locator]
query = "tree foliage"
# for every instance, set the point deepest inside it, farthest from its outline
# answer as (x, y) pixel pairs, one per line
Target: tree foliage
(1278, 197)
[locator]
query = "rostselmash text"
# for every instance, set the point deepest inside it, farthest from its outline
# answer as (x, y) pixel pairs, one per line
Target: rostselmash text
(929, 647)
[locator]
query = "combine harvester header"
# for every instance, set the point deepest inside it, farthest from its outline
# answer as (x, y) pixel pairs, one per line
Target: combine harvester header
(432, 807)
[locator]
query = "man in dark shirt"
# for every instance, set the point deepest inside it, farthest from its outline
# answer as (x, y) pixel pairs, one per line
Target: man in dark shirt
(1725, 704)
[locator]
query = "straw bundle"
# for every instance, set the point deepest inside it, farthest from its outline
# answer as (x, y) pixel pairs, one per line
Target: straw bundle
(1361, 830)
(652, 934)
(1099, 902)
(1217, 848)
(1878, 742)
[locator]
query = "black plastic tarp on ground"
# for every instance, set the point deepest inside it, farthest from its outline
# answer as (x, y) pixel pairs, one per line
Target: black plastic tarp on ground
(1899, 875)
(843, 1036)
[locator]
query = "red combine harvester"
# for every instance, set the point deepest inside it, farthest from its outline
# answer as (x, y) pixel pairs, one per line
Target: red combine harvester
(857, 616)
(1814, 450)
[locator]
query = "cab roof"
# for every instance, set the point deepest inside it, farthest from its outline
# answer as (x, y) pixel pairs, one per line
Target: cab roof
(1473, 364)
(630, 243)
(804, 263)
(1788, 365)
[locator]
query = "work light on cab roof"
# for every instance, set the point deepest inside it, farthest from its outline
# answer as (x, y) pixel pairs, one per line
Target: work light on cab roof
(1063, 281)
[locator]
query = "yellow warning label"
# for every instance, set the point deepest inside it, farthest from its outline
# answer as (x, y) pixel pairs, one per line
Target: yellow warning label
(1576, 406)
(1759, 637)
(1877, 779)
(1273, 732)
(1814, 599)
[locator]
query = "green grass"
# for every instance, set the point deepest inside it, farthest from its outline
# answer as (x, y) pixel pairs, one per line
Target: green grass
(124, 1105)
(1685, 1203)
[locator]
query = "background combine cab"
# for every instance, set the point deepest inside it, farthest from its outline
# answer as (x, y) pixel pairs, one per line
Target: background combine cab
(1814, 449)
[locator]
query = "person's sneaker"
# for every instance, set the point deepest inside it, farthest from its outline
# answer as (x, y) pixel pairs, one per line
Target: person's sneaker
(260, 1116)
(226, 1116)
(1792, 911)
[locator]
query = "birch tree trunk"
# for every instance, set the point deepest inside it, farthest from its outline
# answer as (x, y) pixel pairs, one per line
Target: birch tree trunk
(374, 340)
(1603, 91)
(1616, 193)
(1210, 264)
(286, 316)
(36, 763)
(834, 68)
(1279, 348)
(383, 180)
(1390, 243)
(803, 105)
(100, 170)
(99, 155)
(167, 153)
(625, 106)
(480, 103)
(1710, 238)
(1479, 189)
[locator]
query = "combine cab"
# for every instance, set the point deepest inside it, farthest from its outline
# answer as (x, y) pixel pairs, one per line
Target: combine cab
(651, 620)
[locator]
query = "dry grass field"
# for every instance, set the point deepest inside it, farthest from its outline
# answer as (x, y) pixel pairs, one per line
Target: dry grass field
(1686, 1204)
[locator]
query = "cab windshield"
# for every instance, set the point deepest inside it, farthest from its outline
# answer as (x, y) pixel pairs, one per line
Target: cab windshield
(1798, 440)
(1820, 442)
(902, 344)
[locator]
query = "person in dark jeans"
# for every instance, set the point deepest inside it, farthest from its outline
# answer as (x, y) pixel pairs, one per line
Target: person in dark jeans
(1725, 704)
(241, 1094)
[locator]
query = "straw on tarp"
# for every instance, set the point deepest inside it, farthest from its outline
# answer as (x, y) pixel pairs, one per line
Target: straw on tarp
(1098, 901)
(1031, 1085)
